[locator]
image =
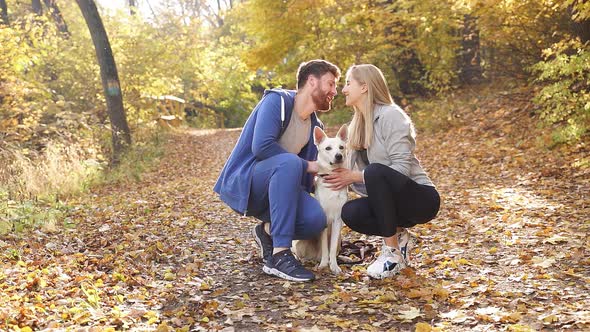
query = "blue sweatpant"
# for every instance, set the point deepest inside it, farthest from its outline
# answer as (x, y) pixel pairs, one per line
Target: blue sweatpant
(277, 196)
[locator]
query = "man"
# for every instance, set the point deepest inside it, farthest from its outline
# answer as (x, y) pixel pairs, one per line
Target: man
(269, 173)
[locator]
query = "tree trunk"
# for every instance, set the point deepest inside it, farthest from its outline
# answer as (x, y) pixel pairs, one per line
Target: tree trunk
(132, 7)
(57, 17)
(471, 71)
(4, 12)
(37, 9)
(580, 28)
(121, 135)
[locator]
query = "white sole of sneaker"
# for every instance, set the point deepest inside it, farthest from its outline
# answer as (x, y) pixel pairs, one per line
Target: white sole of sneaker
(384, 275)
(387, 274)
(277, 273)
(259, 244)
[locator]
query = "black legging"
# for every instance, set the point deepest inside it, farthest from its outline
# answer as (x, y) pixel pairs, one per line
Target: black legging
(394, 200)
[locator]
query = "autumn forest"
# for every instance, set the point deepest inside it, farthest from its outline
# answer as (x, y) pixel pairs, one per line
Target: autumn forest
(116, 118)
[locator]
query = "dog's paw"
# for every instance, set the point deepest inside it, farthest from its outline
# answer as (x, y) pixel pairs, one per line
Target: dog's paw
(322, 265)
(335, 269)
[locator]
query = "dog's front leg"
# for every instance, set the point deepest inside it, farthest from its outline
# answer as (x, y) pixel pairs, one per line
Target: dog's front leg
(324, 248)
(334, 243)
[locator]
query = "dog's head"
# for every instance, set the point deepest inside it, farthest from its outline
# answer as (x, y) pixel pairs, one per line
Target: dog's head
(331, 150)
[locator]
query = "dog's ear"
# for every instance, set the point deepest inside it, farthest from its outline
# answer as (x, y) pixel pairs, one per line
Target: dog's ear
(343, 132)
(318, 135)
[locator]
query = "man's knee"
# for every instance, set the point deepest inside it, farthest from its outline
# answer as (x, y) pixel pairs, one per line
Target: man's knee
(316, 222)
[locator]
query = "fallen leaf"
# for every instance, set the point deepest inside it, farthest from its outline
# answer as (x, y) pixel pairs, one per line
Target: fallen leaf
(410, 314)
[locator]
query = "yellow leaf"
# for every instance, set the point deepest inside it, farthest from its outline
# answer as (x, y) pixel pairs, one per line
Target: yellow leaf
(169, 276)
(423, 327)
(389, 297)
(152, 317)
(163, 327)
(511, 318)
(416, 293)
(463, 261)
(520, 328)
(441, 293)
(550, 319)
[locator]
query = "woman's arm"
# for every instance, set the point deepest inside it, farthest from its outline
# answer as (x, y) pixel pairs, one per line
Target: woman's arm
(396, 130)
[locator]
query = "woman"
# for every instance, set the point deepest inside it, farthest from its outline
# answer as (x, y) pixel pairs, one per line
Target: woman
(397, 192)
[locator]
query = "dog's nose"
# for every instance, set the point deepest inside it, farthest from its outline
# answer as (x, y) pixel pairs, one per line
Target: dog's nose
(338, 157)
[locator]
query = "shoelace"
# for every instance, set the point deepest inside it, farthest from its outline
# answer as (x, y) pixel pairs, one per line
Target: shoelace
(288, 262)
(388, 250)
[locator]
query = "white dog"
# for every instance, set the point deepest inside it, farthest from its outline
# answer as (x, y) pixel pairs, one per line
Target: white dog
(331, 155)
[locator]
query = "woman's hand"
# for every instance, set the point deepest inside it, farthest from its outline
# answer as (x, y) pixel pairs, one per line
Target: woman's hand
(341, 177)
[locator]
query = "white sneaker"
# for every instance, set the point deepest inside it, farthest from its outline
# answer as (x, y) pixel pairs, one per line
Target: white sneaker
(406, 244)
(388, 264)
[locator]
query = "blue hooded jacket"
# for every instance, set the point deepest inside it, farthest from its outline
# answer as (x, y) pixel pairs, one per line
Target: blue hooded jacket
(259, 140)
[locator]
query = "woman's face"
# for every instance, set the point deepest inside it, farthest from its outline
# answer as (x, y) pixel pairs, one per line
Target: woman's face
(355, 92)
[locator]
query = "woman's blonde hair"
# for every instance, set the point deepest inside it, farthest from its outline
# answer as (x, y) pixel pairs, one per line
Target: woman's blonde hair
(360, 130)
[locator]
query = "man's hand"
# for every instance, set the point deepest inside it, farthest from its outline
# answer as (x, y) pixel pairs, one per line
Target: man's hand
(313, 167)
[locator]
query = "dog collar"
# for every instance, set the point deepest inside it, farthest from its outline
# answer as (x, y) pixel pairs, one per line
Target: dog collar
(322, 175)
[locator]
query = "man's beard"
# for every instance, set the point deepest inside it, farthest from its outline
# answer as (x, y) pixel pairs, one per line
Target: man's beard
(320, 100)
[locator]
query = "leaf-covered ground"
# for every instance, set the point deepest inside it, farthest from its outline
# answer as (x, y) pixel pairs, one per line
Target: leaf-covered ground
(508, 252)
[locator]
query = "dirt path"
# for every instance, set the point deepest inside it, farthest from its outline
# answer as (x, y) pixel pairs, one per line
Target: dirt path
(509, 251)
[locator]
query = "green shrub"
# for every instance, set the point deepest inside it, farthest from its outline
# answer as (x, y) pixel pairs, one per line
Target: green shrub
(564, 99)
(140, 157)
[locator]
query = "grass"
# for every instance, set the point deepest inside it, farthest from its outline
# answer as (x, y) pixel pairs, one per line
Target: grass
(35, 187)
(142, 155)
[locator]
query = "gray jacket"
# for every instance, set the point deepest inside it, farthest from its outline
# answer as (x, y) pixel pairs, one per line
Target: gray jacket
(393, 145)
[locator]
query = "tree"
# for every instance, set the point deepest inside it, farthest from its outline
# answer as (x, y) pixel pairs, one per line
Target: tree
(57, 17)
(471, 70)
(3, 12)
(37, 9)
(580, 22)
(132, 7)
(121, 135)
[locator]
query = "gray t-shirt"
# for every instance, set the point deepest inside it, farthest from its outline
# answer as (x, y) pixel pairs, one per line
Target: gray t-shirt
(296, 135)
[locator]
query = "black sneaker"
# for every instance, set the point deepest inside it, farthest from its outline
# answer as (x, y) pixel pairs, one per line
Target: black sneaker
(264, 241)
(284, 265)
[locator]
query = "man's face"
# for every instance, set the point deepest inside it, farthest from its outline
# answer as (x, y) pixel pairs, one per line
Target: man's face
(324, 92)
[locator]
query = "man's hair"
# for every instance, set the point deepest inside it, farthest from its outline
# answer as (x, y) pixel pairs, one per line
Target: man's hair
(316, 68)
